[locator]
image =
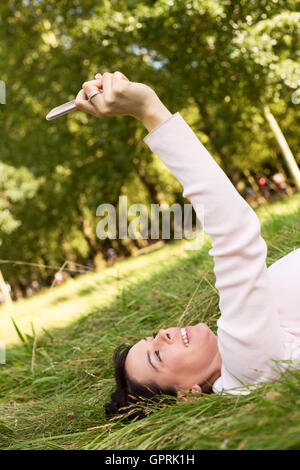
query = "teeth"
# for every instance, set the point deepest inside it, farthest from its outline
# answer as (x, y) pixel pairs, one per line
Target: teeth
(184, 337)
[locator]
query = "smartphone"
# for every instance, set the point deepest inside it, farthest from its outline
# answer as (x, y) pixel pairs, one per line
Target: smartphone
(60, 110)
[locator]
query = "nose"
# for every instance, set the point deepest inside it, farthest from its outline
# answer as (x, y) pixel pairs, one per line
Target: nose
(164, 335)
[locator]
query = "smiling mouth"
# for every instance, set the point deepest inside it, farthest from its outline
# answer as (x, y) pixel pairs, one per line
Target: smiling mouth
(184, 337)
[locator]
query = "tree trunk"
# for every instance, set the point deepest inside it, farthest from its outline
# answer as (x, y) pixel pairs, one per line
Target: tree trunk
(155, 194)
(285, 149)
(209, 128)
(5, 290)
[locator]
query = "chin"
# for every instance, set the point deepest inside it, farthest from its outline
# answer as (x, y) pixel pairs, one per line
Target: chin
(202, 326)
(203, 329)
(206, 339)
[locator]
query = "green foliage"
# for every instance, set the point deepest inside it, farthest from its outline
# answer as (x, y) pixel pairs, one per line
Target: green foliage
(16, 185)
(211, 60)
(58, 373)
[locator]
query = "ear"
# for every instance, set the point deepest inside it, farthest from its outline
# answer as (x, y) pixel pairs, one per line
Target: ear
(180, 395)
(196, 389)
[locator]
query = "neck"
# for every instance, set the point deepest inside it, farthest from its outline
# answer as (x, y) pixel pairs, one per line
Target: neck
(213, 375)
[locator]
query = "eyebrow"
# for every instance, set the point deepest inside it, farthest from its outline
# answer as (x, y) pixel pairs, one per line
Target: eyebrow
(150, 362)
(149, 359)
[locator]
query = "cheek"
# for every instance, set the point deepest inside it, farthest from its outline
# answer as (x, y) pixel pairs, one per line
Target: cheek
(181, 362)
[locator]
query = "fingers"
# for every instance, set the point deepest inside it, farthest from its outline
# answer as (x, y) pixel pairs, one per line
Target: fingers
(107, 80)
(91, 85)
(105, 104)
(81, 102)
(100, 103)
(120, 82)
(116, 74)
(95, 83)
(119, 75)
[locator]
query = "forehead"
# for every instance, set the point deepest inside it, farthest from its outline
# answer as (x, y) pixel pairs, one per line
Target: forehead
(136, 364)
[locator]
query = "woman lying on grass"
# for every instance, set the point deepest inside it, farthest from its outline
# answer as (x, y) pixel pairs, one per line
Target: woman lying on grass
(259, 326)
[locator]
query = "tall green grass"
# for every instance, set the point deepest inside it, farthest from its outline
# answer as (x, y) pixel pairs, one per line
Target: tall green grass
(60, 342)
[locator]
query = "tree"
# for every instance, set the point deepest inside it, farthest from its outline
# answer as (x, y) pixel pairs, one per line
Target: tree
(214, 61)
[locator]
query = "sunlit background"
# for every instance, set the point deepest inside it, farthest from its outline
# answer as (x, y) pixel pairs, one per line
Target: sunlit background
(230, 68)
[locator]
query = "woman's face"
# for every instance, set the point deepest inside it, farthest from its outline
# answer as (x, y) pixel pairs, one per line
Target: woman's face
(183, 358)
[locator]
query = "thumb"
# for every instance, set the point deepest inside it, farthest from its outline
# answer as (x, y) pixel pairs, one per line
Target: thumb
(81, 102)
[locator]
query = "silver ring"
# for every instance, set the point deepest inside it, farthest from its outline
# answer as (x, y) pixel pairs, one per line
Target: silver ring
(93, 93)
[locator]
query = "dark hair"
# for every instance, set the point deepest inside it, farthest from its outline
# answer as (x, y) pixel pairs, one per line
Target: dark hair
(129, 398)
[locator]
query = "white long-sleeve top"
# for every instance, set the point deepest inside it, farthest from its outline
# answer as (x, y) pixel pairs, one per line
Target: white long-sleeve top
(260, 307)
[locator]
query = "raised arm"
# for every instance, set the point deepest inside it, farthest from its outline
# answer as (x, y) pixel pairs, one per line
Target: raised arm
(249, 335)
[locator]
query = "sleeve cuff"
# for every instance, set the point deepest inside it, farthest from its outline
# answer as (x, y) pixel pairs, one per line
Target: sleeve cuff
(145, 139)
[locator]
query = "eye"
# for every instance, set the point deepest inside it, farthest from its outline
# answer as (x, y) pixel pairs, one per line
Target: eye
(158, 355)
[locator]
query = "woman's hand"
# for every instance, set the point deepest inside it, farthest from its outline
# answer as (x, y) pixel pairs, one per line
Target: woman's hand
(119, 97)
(122, 97)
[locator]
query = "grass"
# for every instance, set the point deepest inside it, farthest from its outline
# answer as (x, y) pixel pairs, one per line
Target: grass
(58, 371)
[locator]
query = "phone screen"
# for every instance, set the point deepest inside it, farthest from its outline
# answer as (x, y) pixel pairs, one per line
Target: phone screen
(60, 110)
